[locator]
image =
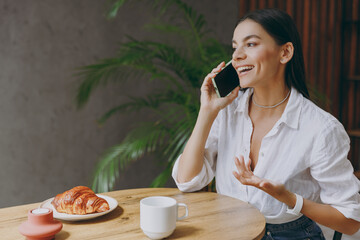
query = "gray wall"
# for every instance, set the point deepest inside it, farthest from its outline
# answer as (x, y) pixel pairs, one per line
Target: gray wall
(46, 145)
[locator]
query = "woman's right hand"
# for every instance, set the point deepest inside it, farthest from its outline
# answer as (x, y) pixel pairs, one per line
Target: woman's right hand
(209, 99)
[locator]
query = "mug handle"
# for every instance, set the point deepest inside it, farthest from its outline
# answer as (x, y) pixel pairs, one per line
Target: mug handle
(186, 211)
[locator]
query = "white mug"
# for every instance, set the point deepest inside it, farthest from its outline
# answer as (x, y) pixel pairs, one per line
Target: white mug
(158, 216)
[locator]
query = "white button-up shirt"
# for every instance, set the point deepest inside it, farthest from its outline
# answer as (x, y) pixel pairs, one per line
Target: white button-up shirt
(306, 150)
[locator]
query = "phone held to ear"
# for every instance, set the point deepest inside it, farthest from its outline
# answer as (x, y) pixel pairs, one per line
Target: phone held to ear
(226, 80)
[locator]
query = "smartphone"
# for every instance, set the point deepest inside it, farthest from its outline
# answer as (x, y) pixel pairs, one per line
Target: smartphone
(226, 80)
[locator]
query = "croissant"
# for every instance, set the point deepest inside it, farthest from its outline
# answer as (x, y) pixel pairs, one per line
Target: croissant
(79, 200)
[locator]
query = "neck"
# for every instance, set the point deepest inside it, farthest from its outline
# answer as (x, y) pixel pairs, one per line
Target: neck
(268, 97)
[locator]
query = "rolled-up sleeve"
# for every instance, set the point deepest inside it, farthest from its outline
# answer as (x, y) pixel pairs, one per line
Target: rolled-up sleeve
(207, 172)
(334, 172)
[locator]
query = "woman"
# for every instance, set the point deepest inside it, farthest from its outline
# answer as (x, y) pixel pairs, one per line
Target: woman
(269, 144)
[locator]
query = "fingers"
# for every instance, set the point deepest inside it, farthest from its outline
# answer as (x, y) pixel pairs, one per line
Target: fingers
(240, 164)
(276, 190)
(214, 72)
(238, 167)
(248, 165)
(264, 185)
(236, 175)
(244, 173)
(218, 68)
(246, 177)
(269, 186)
(235, 91)
(233, 95)
(207, 81)
(208, 91)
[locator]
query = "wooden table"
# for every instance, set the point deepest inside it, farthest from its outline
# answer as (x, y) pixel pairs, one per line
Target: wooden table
(211, 216)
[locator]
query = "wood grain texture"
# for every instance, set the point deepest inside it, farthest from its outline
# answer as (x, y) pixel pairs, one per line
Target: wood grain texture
(211, 216)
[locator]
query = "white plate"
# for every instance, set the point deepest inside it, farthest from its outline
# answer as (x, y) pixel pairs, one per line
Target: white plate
(75, 217)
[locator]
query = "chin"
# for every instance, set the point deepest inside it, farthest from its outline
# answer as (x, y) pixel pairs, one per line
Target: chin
(250, 82)
(245, 84)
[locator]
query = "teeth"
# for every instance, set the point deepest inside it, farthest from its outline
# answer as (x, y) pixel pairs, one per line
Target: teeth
(240, 69)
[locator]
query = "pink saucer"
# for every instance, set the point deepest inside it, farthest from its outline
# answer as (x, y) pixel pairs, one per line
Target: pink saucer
(40, 225)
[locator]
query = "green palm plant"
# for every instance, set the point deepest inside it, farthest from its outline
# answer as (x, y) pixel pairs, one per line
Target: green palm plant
(180, 65)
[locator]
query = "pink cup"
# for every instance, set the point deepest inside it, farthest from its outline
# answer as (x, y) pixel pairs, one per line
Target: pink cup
(40, 225)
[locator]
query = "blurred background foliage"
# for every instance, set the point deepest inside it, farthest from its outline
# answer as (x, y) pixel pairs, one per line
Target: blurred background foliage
(180, 51)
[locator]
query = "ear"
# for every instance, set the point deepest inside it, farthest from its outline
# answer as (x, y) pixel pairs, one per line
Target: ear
(287, 52)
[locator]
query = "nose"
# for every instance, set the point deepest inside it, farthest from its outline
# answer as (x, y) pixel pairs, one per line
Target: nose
(238, 54)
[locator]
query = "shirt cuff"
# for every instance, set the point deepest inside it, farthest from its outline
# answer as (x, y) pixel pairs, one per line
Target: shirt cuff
(194, 184)
(351, 211)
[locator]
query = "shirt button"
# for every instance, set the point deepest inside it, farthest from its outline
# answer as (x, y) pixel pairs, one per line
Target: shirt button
(262, 154)
(268, 233)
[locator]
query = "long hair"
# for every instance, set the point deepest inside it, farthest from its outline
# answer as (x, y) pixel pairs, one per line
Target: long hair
(282, 28)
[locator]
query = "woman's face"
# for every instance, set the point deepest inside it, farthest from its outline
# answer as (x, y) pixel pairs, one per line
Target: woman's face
(256, 56)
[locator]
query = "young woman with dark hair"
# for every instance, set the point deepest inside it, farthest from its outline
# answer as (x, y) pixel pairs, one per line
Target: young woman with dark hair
(269, 145)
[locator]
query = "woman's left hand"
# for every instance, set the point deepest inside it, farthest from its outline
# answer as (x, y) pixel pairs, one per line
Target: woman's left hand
(276, 190)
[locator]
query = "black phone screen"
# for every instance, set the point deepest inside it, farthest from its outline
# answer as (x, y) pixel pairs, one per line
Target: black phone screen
(226, 80)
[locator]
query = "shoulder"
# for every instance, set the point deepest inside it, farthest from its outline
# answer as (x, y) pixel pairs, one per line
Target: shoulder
(316, 115)
(324, 125)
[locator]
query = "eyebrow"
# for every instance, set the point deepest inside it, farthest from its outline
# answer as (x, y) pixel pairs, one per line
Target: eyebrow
(248, 37)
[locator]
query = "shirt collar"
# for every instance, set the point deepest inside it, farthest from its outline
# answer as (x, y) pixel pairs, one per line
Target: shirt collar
(291, 113)
(243, 102)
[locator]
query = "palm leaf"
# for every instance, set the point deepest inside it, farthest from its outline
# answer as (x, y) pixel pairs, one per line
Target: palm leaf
(161, 60)
(179, 66)
(168, 29)
(94, 75)
(178, 139)
(141, 55)
(175, 147)
(167, 56)
(181, 103)
(163, 177)
(134, 56)
(135, 104)
(196, 23)
(115, 8)
(140, 141)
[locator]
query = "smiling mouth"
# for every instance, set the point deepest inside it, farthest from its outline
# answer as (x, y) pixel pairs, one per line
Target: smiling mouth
(244, 69)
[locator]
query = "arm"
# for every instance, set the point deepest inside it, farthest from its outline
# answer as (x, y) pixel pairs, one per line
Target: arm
(191, 161)
(320, 213)
(330, 217)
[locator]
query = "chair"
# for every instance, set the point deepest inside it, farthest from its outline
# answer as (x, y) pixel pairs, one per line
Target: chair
(337, 236)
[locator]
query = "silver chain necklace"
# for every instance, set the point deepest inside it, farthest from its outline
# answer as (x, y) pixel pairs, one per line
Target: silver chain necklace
(273, 106)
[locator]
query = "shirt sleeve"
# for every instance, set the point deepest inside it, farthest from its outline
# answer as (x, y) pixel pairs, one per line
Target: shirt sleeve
(207, 172)
(334, 172)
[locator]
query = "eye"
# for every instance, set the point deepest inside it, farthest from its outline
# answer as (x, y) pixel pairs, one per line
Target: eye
(251, 44)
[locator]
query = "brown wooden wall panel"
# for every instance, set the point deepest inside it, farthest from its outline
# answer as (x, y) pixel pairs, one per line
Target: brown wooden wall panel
(351, 76)
(330, 35)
